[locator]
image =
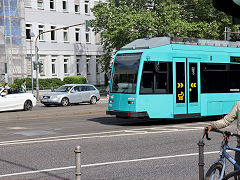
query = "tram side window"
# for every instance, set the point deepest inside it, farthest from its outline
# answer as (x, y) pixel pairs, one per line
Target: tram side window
(220, 78)
(234, 80)
(156, 78)
(213, 78)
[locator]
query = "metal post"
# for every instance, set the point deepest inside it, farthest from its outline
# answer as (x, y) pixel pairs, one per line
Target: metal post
(31, 35)
(36, 57)
(6, 72)
(78, 162)
(225, 34)
(201, 159)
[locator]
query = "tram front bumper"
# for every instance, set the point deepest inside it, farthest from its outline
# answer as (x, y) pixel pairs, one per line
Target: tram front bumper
(127, 114)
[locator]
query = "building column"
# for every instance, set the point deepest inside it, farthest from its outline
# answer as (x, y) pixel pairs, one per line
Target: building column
(73, 66)
(60, 65)
(48, 63)
(83, 66)
(92, 69)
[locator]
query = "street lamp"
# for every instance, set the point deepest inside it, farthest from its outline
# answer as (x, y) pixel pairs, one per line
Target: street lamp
(36, 54)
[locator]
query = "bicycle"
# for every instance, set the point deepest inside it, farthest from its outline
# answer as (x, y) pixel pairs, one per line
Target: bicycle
(217, 170)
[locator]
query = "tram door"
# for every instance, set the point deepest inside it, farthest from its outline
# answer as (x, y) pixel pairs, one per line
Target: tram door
(186, 87)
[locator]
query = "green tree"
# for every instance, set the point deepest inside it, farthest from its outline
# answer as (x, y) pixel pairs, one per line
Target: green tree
(120, 22)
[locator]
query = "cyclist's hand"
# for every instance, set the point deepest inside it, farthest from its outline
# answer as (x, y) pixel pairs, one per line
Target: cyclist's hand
(209, 128)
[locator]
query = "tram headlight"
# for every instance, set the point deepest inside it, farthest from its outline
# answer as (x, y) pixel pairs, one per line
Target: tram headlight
(111, 101)
(130, 102)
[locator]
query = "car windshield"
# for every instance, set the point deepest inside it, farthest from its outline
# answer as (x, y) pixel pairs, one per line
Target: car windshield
(64, 89)
(125, 71)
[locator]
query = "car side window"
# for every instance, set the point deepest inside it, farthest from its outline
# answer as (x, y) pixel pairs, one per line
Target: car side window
(91, 88)
(77, 89)
(84, 88)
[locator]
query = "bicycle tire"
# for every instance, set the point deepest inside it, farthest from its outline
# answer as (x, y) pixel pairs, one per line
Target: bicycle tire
(231, 175)
(215, 169)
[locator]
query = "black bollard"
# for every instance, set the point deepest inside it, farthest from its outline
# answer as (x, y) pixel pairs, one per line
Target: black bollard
(201, 159)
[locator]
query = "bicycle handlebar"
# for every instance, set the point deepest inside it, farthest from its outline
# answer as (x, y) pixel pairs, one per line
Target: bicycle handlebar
(228, 133)
(206, 133)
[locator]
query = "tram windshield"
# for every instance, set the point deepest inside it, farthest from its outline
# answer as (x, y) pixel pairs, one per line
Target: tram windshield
(125, 71)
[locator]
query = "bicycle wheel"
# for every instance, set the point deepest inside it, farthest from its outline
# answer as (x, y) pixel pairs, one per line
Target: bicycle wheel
(232, 175)
(214, 172)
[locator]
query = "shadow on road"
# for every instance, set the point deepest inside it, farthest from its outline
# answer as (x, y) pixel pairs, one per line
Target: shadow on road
(32, 169)
(149, 122)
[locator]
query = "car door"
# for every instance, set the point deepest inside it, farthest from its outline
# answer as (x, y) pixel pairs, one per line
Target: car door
(78, 95)
(73, 95)
(85, 93)
(92, 92)
(8, 102)
(3, 103)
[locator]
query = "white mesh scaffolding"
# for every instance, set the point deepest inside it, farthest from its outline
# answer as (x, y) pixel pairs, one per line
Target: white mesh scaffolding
(12, 39)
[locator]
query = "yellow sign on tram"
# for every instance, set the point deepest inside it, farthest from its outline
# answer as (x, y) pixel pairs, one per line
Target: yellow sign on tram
(180, 85)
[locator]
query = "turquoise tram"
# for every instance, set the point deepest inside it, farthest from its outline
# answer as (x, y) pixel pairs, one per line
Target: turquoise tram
(172, 77)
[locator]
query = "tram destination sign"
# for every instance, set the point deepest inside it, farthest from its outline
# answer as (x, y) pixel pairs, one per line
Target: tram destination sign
(234, 59)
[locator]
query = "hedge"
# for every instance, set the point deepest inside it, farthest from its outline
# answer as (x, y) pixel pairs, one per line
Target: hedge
(48, 83)
(75, 80)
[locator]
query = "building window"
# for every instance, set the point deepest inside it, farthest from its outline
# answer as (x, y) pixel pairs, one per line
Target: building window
(97, 66)
(87, 63)
(52, 5)
(64, 5)
(65, 66)
(86, 5)
(53, 34)
(65, 36)
(40, 4)
(41, 30)
(87, 37)
(27, 3)
(77, 35)
(77, 8)
(78, 66)
(53, 66)
(87, 25)
(28, 31)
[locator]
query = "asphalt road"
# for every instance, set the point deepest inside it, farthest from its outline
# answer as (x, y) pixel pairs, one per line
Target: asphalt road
(40, 145)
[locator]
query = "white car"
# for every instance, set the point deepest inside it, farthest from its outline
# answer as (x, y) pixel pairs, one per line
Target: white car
(18, 101)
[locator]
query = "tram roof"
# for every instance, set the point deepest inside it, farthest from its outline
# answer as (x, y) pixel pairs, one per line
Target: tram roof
(148, 43)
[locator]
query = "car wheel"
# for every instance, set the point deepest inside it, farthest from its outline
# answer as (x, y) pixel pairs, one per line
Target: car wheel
(65, 102)
(28, 105)
(93, 100)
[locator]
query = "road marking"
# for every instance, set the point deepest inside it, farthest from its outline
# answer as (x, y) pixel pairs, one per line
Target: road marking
(107, 163)
(92, 136)
(104, 132)
(17, 128)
